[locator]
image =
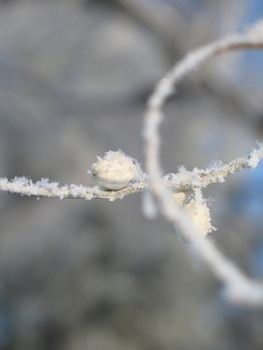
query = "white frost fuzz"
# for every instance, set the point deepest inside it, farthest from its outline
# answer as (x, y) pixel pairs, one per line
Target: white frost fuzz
(197, 209)
(255, 156)
(201, 217)
(115, 170)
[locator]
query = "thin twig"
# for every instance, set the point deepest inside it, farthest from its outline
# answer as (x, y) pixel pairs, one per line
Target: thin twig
(201, 178)
(181, 181)
(45, 188)
(238, 287)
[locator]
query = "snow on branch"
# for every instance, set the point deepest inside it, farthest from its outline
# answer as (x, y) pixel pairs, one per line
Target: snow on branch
(238, 288)
(178, 195)
(201, 178)
(45, 188)
(181, 181)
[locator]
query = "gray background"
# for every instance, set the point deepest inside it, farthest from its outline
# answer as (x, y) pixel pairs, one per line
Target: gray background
(74, 80)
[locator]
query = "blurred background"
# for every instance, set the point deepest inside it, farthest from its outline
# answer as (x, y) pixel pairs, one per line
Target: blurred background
(74, 79)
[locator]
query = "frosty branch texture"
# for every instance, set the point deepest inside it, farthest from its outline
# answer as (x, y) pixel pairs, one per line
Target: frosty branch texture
(238, 288)
(181, 181)
(119, 175)
(201, 178)
(45, 188)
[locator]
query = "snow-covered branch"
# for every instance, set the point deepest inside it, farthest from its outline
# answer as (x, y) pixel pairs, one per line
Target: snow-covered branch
(181, 181)
(45, 188)
(201, 178)
(238, 287)
(118, 175)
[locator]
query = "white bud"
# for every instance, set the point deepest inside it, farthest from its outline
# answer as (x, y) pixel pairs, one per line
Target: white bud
(200, 215)
(115, 170)
(196, 207)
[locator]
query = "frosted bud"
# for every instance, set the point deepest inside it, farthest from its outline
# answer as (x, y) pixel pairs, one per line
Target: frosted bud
(115, 170)
(200, 215)
(196, 207)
